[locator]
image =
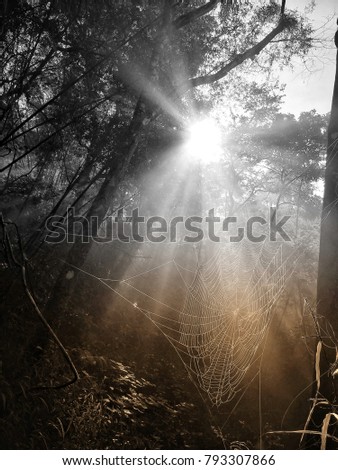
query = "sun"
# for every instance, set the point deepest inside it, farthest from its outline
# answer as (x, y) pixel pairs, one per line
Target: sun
(204, 141)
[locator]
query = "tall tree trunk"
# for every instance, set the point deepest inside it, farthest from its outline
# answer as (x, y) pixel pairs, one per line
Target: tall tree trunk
(327, 289)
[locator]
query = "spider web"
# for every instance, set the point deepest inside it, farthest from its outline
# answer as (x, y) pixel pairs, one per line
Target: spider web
(225, 314)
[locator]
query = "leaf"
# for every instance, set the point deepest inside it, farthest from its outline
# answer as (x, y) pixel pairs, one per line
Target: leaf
(318, 352)
(44, 403)
(325, 427)
(315, 400)
(62, 434)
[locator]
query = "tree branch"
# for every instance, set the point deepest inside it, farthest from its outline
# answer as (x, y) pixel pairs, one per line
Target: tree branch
(69, 85)
(283, 7)
(23, 267)
(23, 87)
(113, 96)
(193, 15)
(238, 59)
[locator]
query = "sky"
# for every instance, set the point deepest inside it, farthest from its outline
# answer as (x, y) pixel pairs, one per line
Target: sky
(310, 85)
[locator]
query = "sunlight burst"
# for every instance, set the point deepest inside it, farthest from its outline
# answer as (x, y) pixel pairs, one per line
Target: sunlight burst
(204, 142)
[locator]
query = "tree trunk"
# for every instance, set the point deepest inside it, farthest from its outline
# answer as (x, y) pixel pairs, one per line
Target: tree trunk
(327, 289)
